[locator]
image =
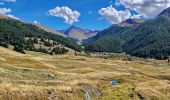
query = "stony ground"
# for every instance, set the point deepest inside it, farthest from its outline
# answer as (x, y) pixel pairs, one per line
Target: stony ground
(36, 76)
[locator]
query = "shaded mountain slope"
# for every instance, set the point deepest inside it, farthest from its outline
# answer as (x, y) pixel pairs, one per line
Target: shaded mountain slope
(107, 40)
(148, 39)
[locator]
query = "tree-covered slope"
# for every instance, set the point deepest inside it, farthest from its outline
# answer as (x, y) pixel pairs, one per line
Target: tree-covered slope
(108, 40)
(15, 32)
(149, 39)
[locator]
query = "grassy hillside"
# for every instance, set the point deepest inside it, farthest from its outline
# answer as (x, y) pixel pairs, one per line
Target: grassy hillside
(39, 76)
(49, 30)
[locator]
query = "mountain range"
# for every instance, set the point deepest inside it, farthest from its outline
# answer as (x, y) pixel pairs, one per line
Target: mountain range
(78, 34)
(137, 37)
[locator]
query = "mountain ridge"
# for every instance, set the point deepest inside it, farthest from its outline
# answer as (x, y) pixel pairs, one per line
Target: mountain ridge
(48, 30)
(165, 13)
(78, 33)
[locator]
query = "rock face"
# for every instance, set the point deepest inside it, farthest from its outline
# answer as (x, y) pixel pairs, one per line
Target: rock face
(131, 22)
(78, 34)
(90, 92)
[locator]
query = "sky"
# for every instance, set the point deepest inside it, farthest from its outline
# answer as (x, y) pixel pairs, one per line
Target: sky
(87, 14)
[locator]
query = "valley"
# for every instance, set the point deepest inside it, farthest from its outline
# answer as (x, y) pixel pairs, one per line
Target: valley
(40, 76)
(129, 60)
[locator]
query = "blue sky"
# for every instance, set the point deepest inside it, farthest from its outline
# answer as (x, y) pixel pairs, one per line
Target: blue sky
(31, 10)
(94, 14)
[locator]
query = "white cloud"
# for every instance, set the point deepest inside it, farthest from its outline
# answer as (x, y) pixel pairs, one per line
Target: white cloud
(143, 8)
(66, 13)
(12, 16)
(114, 16)
(5, 10)
(146, 8)
(1, 3)
(10, 1)
(35, 22)
(136, 17)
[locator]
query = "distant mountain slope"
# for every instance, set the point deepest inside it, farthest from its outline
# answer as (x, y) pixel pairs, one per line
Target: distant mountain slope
(3, 16)
(23, 36)
(148, 39)
(49, 30)
(78, 34)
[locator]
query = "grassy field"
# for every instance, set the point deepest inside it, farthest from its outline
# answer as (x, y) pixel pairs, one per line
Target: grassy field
(36, 76)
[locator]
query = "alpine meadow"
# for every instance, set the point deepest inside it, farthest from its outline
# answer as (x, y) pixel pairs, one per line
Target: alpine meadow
(84, 50)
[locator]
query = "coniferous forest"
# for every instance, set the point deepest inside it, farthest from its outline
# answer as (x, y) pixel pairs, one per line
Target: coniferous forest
(15, 33)
(149, 39)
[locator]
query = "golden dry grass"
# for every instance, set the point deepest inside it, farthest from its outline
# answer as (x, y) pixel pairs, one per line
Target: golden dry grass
(37, 76)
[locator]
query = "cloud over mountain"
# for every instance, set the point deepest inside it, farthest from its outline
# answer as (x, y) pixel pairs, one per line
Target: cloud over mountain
(142, 8)
(146, 8)
(35, 22)
(12, 16)
(114, 16)
(5, 10)
(66, 13)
